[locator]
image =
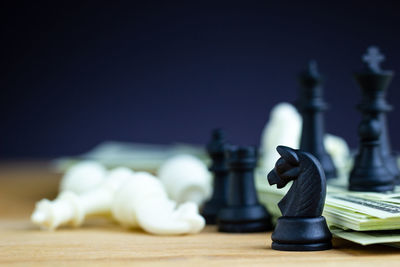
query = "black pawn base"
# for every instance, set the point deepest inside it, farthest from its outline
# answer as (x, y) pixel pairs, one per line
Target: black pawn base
(210, 211)
(371, 188)
(248, 219)
(301, 234)
(371, 180)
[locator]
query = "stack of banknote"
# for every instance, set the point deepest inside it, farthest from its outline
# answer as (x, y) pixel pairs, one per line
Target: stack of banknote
(364, 218)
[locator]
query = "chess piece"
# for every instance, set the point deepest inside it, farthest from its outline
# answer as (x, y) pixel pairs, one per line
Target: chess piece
(311, 106)
(374, 168)
(83, 176)
(283, 128)
(339, 151)
(243, 213)
(369, 172)
(70, 208)
(217, 149)
(186, 178)
(133, 199)
(301, 227)
(374, 82)
(142, 202)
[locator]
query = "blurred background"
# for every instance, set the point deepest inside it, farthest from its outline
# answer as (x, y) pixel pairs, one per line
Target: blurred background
(77, 74)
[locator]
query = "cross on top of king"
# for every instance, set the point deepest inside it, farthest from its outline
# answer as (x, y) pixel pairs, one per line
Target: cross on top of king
(373, 58)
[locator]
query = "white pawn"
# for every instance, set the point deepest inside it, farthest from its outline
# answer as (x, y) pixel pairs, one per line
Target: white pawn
(83, 176)
(340, 153)
(143, 202)
(70, 208)
(283, 128)
(186, 178)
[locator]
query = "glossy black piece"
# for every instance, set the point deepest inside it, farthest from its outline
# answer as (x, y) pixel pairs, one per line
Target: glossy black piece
(369, 172)
(311, 106)
(244, 213)
(218, 151)
(302, 226)
(375, 168)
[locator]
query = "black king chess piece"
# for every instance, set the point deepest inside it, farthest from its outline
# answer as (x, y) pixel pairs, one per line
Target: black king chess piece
(302, 226)
(311, 106)
(218, 151)
(374, 168)
(243, 213)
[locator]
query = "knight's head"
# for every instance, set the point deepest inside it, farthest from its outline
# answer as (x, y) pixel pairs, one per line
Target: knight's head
(286, 168)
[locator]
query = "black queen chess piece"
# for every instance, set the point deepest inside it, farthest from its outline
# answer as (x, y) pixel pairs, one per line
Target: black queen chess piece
(302, 226)
(311, 106)
(243, 213)
(374, 168)
(217, 149)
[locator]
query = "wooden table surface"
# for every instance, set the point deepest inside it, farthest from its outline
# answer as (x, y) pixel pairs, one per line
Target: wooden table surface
(100, 242)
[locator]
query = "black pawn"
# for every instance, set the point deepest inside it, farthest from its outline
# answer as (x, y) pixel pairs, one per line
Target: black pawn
(244, 213)
(369, 172)
(374, 82)
(374, 168)
(217, 149)
(311, 106)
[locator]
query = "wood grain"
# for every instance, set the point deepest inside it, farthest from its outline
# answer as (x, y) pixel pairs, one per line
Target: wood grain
(100, 242)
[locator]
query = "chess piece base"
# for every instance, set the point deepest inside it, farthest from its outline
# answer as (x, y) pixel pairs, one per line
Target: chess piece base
(249, 219)
(301, 234)
(371, 180)
(371, 188)
(301, 247)
(211, 209)
(210, 218)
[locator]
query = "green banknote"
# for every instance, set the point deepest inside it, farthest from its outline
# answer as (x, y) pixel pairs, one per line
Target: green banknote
(370, 237)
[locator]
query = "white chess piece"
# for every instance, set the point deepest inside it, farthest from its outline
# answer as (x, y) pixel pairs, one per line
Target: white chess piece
(143, 202)
(133, 199)
(83, 176)
(72, 208)
(340, 153)
(186, 178)
(283, 128)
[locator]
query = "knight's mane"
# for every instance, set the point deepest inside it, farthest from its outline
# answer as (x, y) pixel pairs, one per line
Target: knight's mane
(307, 192)
(309, 188)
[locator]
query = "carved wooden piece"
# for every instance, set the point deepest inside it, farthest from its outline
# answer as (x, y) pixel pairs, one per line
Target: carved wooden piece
(301, 227)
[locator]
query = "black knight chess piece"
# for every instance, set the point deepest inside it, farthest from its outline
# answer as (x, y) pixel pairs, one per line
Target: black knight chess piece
(375, 168)
(311, 106)
(302, 226)
(218, 151)
(243, 213)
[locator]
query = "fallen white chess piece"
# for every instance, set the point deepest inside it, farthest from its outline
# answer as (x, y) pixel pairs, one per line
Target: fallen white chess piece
(134, 200)
(186, 178)
(142, 201)
(83, 176)
(70, 208)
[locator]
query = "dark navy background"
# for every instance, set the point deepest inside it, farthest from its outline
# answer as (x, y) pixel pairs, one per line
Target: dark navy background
(74, 75)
